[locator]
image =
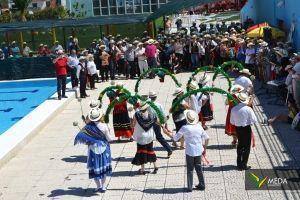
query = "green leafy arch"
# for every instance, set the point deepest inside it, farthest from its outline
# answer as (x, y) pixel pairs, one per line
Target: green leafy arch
(161, 72)
(233, 63)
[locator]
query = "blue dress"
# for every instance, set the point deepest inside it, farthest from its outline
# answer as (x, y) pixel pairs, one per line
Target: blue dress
(99, 154)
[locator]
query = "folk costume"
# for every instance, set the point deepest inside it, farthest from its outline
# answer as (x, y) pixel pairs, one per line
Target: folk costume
(121, 120)
(144, 122)
(96, 135)
(206, 114)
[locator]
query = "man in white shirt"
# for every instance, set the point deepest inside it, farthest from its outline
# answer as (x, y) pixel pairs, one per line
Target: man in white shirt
(194, 136)
(196, 101)
(142, 59)
(242, 116)
(244, 81)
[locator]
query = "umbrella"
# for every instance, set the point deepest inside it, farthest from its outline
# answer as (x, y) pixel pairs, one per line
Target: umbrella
(258, 32)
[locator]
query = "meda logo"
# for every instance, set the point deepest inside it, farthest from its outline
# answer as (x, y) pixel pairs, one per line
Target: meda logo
(259, 182)
(277, 181)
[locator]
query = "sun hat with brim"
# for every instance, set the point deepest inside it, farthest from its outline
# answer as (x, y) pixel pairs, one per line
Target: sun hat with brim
(224, 40)
(178, 91)
(81, 58)
(102, 46)
(95, 115)
(144, 106)
(193, 85)
(151, 41)
(236, 89)
(94, 103)
(152, 94)
(243, 98)
(60, 52)
(245, 71)
(191, 116)
(264, 44)
(140, 43)
(250, 44)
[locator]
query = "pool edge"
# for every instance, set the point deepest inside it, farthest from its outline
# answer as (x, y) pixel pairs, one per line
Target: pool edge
(28, 136)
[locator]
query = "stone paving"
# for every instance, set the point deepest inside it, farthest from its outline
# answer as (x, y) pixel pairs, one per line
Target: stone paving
(50, 167)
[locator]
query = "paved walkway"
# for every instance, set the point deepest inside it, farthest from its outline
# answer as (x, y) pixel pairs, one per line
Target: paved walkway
(50, 167)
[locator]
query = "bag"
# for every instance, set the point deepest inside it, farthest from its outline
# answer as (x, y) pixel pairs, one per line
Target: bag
(296, 122)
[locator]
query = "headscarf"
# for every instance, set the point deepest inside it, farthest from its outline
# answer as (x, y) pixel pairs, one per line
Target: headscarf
(146, 122)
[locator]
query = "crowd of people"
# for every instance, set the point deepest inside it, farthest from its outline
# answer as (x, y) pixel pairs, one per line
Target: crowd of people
(186, 50)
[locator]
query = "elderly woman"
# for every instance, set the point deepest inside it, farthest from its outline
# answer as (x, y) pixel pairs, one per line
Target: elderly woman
(92, 71)
(96, 135)
(143, 123)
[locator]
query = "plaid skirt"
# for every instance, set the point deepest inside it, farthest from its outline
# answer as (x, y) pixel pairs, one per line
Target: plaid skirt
(99, 165)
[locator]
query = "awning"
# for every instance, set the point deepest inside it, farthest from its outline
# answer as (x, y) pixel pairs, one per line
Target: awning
(101, 20)
(175, 6)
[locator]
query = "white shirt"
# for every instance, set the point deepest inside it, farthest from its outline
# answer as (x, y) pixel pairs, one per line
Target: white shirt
(178, 48)
(249, 56)
(194, 136)
(159, 106)
(73, 61)
(195, 102)
(141, 136)
(140, 53)
(242, 115)
(91, 67)
(243, 81)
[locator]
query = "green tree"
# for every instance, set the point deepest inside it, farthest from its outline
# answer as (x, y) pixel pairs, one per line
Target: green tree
(22, 6)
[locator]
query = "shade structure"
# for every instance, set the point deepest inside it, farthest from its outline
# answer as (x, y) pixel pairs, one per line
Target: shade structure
(175, 6)
(258, 32)
(92, 21)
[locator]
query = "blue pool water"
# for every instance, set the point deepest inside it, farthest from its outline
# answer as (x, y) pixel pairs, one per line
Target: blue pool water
(19, 98)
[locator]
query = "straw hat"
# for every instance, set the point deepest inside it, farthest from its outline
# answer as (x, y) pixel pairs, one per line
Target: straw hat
(120, 84)
(82, 58)
(95, 115)
(250, 44)
(245, 71)
(204, 79)
(178, 91)
(94, 103)
(264, 44)
(243, 98)
(140, 43)
(151, 41)
(193, 85)
(144, 106)
(191, 117)
(224, 40)
(236, 89)
(60, 52)
(152, 94)
(102, 46)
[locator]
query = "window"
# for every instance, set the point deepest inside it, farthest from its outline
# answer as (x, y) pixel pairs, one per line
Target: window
(96, 11)
(129, 6)
(104, 3)
(34, 5)
(96, 3)
(104, 11)
(146, 8)
(48, 4)
(113, 10)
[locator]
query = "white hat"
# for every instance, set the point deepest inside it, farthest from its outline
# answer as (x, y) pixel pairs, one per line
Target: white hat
(243, 98)
(250, 44)
(60, 51)
(144, 106)
(245, 71)
(151, 41)
(191, 117)
(178, 91)
(113, 83)
(237, 89)
(204, 79)
(152, 94)
(95, 115)
(82, 58)
(193, 85)
(94, 103)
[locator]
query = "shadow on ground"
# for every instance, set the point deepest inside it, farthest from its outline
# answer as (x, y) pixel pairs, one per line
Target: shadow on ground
(73, 191)
(74, 159)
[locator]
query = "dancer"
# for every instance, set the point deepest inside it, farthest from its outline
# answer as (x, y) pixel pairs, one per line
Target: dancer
(194, 136)
(229, 128)
(178, 113)
(242, 117)
(244, 81)
(96, 135)
(144, 122)
(157, 128)
(206, 113)
(121, 120)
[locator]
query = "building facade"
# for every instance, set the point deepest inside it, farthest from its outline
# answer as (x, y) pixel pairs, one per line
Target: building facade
(280, 13)
(123, 7)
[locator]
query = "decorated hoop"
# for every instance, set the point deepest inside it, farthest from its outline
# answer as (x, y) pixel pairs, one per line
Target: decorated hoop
(196, 72)
(160, 72)
(234, 64)
(218, 71)
(202, 90)
(111, 91)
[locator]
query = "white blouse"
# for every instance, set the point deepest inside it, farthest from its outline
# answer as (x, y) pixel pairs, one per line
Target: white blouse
(91, 67)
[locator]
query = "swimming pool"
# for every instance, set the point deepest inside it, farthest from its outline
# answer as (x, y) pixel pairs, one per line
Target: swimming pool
(18, 98)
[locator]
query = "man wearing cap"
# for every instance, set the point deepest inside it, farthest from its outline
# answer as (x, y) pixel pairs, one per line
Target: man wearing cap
(142, 59)
(56, 47)
(157, 128)
(26, 50)
(244, 81)
(61, 63)
(242, 117)
(196, 140)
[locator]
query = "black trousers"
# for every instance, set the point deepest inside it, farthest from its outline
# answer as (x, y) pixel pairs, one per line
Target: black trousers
(61, 85)
(104, 73)
(74, 79)
(244, 145)
(82, 86)
(92, 79)
(160, 138)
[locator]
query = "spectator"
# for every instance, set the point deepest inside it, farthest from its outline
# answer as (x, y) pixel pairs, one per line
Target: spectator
(73, 65)
(15, 50)
(61, 63)
(2, 56)
(142, 59)
(92, 71)
(56, 47)
(26, 50)
(104, 56)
